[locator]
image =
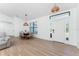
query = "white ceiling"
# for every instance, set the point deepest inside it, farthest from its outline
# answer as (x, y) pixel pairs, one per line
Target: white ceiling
(33, 10)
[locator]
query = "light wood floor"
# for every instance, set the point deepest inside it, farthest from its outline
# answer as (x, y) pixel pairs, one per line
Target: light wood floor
(38, 47)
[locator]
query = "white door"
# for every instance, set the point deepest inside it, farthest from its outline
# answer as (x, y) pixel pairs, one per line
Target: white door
(59, 30)
(58, 27)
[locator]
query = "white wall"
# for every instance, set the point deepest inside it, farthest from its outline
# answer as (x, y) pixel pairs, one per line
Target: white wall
(6, 24)
(77, 25)
(11, 25)
(73, 27)
(18, 26)
(43, 27)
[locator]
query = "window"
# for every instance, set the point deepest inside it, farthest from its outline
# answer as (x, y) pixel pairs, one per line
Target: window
(67, 28)
(58, 17)
(33, 27)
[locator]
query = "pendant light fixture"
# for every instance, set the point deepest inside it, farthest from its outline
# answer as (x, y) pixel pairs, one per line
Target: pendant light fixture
(25, 24)
(55, 8)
